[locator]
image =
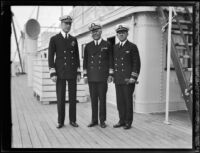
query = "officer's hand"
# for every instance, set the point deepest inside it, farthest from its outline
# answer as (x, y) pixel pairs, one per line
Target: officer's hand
(78, 78)
(54, 78)
(85, 80)
(110, 79)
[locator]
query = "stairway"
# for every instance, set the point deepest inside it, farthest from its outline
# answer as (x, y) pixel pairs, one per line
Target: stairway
(181, 48)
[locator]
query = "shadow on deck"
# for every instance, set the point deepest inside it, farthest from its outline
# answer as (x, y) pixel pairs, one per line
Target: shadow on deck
(34, 126)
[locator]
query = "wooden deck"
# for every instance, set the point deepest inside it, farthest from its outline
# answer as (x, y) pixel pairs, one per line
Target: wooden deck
(34, 126)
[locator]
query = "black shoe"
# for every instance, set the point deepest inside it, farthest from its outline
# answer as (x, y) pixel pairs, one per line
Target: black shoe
(74, 124)
(118, 125)
(92, 124)
(103, 125)
(127, 126)
(60, 126)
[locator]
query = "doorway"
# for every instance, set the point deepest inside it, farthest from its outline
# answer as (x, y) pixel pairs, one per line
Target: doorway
(111, 40)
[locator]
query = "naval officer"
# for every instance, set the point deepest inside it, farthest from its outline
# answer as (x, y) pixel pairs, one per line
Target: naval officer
(126, 72)
(98, 71)
(64, 64)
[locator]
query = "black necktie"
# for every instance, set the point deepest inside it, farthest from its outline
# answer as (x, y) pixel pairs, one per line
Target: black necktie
(120, 45)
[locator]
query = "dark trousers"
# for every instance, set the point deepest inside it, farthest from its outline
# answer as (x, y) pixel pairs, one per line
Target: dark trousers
(61, 92)
(125, 102)
(98, 92)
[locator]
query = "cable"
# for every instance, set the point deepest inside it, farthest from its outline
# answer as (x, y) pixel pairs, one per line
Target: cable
(32, 12)
(19, 41)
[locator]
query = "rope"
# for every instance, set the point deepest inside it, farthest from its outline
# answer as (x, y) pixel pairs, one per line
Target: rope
(32, 12)
(16, 49)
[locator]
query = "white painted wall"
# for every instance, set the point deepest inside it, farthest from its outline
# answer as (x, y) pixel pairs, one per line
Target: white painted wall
(150, 94)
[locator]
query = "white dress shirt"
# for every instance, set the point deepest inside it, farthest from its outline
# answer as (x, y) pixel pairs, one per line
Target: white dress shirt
(64, 34)
(122, 43)
(97, 42)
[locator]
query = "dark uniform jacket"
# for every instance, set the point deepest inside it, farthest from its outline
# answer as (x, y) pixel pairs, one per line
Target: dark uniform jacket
(98, 61)
(66, 55)
(126, 62)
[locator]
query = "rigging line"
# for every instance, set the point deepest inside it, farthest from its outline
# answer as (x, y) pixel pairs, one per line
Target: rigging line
(38, 10)
(19, 41)
(31, 14)
(15, 53)
(18, 28)
(17, 44)
(17, 23)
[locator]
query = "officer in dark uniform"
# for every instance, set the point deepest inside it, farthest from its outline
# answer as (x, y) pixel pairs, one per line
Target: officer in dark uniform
(126, 71)
(64, 64)
(98, 71)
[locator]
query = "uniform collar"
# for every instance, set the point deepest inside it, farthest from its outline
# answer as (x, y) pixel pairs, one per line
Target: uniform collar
(122, 42)
(63, 34)
(99, 41)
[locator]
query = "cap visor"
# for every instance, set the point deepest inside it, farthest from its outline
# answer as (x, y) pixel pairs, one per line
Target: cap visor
(124, 30)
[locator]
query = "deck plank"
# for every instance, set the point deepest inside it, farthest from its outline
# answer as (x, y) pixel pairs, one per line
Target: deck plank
(93, 132)
(25, 135)
(57, 138)
(16, 138)
(32, 131)
(34, 126)
(110, 136)
(70, 136)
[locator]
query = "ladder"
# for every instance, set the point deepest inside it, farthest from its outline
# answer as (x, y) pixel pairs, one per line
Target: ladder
(181, 48)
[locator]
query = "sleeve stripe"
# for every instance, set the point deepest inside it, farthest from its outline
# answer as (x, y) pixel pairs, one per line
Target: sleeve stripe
(134, 74)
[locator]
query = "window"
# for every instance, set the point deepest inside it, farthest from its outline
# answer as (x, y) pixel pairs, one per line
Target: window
(111, 40)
